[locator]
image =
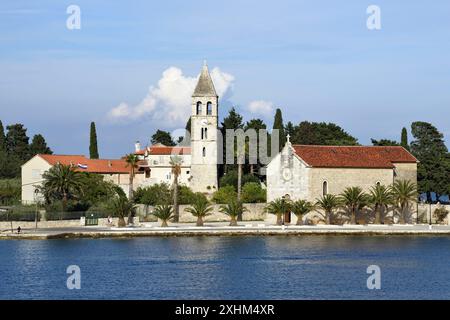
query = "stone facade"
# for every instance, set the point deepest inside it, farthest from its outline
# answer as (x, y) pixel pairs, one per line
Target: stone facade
(290, 175)
(204, 135)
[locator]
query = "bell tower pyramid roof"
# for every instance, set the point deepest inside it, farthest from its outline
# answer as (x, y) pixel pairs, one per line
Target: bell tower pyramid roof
(205, 85)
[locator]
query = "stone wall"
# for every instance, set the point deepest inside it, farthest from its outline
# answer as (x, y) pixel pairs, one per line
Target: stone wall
(256, 212)
(424, 213)
(6, 225)
(338, 179)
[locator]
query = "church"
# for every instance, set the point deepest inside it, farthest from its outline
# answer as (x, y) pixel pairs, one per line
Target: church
(298, 172)
(199, 160)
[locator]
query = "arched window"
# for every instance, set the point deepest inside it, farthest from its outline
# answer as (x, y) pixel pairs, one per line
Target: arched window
(209, 108)
(378, 183)
(204, 152)
(206, 133)
(199, 107)
(202, 133)
(325, 188)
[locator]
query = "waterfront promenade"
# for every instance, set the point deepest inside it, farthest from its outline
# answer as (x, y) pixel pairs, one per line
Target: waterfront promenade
(222, 229)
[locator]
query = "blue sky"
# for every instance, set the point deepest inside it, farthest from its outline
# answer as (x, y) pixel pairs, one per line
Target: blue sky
(314, 59)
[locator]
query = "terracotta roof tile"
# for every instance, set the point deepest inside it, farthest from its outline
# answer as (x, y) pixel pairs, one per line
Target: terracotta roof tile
(353, 156)
(84, 164)
(164, 150)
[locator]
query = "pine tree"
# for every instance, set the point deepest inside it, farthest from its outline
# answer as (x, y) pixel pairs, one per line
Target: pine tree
(39, 146)
(404, 139)
(278, 125)
(93, 148)
(162, 137)
(434, 160)
(290, 129)
(17, 141)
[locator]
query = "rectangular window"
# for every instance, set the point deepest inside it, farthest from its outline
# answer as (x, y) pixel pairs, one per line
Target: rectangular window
(36, 173)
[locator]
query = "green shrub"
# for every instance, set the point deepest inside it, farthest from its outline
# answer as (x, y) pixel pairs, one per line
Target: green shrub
(225, 194)
(157, 194)
(186, 195)
(72, 206)
(20, 213)
(253, 193)
(10, 191)
(231, 179)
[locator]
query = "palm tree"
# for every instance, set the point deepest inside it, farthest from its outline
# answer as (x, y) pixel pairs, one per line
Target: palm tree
(62, 181)
(175, 163)
(240, 152)
(380, 197)
(200, 209)
(328, 203)
(122, 207)
(131, 161)
(300, 208)
(354, 199)
(163, 212)
(404, 192)
(279, 207)
(233, 209)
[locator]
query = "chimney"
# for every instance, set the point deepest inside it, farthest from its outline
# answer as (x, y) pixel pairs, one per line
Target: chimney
(109, 164)
(137, 146)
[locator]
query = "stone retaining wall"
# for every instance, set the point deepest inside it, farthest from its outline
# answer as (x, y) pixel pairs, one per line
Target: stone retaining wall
(256, 212)
(6, 225)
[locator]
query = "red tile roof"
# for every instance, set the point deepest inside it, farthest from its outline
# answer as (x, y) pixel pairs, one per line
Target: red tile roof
(353, 156)
(164, 150)
(93, 165)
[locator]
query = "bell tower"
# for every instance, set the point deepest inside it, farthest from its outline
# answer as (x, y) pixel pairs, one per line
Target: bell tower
(204, 140)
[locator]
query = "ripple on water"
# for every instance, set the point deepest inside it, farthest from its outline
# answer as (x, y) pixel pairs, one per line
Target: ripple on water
(316, 267)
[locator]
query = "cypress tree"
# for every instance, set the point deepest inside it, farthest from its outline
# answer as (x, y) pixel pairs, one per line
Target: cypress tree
(2, 138)
(93, 149)
(278, 124)
(404, 139)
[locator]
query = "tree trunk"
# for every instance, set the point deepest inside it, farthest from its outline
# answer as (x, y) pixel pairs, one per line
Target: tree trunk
(130, 188)
(233, 222)
(239, 187)
(176, 209)
(402, 215)
(279, 219)
(353, 218)
(121, 222)
(199, 222)
(130, 218)
(299, 220)
(328, 217)
(377, 215)
(164, 224)
(64, 202)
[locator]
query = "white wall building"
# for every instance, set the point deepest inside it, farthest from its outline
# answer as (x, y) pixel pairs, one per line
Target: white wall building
(198, 161)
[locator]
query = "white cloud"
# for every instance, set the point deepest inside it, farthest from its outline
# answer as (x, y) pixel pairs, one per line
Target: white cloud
(170, 99)
(261, 107)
